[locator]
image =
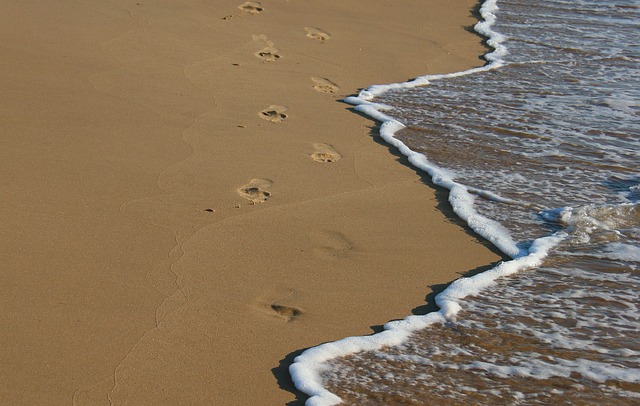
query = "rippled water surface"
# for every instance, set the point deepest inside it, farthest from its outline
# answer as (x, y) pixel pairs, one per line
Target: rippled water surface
(555, 134)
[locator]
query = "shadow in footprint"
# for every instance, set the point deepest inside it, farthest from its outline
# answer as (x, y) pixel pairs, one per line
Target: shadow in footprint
(324, 85)
(325, 153)
(251, 7)
(289, 313)
(317, 34)
(255, 191)
(268, 54)
(274, 114)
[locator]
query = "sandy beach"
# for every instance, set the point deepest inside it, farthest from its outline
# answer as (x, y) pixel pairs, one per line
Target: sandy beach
(187, 204)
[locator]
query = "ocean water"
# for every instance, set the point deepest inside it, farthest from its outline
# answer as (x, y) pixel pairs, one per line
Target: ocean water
(540, 150)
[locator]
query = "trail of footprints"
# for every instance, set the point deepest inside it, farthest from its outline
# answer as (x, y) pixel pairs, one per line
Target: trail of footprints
(256, 190)
(327, 245)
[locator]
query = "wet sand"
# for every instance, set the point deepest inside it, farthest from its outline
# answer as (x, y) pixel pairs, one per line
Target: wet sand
(186, 203)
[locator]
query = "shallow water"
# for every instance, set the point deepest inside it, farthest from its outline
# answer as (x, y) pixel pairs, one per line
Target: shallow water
(546, 144)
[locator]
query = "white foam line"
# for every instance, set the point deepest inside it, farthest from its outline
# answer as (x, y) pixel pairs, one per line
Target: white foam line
(307, 368)
(306, 371)
(495, 58)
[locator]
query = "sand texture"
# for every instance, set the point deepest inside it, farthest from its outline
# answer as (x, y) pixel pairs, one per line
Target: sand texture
(186, 203)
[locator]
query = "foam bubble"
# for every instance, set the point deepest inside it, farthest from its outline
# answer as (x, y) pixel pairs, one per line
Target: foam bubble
(622, 252)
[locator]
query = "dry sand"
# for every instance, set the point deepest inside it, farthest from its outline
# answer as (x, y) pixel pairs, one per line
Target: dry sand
(186, 203)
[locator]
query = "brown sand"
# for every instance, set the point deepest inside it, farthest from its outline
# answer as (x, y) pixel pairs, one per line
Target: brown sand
(186, 203)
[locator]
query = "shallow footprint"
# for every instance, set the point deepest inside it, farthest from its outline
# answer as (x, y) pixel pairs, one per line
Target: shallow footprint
(289, 313)
(317, 34)
(330, 244)
(251, 7)
(325, 153)
(324, 85)
(274, 114)
(255, 191)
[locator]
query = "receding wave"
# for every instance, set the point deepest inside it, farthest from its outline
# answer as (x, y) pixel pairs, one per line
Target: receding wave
(539, 152)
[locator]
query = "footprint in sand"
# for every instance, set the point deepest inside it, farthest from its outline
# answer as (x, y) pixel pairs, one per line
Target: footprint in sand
(331, 244)
(269, 53)
(279, 301)
(317, 34)
(324, 85)
(325, 153)
(274, 114)
(289, 313)
(255, 191)
(251, 7)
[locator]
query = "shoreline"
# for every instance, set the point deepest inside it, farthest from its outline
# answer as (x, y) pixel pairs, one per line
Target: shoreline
(308, 367)
(199, 281)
